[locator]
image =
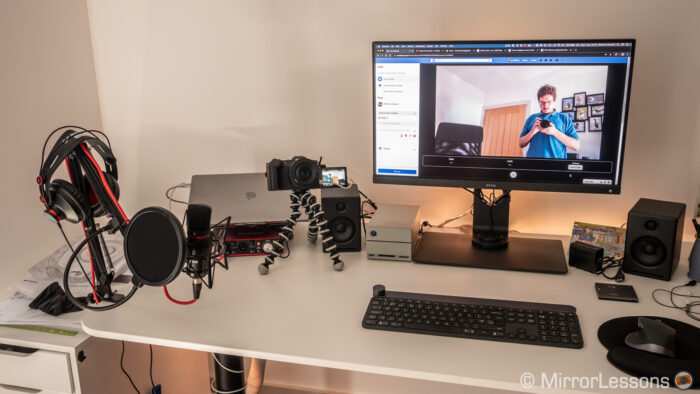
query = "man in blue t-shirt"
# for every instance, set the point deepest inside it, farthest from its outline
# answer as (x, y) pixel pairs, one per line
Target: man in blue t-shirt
(548, 139)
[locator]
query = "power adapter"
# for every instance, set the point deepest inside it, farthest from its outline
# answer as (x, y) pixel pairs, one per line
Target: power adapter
(586, 256)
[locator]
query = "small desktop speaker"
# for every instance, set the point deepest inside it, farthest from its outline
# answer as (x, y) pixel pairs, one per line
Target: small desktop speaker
(653, 241)
(342, 208)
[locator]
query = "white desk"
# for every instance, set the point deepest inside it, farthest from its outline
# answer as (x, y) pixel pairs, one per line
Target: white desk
(304, 312)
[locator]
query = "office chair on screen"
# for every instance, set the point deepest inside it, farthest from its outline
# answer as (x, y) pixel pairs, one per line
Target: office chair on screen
(457, 139)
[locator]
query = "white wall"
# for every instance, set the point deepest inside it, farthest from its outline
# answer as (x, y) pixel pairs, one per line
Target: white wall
(47, 80)
(221, 86)
(456, 100)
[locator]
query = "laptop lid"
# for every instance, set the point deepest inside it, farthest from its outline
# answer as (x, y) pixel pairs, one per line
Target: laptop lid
(244, 197)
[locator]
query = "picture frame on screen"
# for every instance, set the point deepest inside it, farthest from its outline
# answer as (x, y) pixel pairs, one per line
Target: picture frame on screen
(581, 113)
(595, 99)
(595, 123)
(580, 99)
(597, 110)
(567, 104)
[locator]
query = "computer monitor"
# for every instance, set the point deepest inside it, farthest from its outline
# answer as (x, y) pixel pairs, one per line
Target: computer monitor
(508, 115)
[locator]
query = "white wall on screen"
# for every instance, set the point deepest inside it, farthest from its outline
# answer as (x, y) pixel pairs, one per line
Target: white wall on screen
(457, 100)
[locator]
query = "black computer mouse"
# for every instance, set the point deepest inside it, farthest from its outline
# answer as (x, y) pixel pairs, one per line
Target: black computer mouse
(653, 336)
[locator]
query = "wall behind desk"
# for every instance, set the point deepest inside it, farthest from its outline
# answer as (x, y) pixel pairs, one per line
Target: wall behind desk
(47, 79)
(224, 86)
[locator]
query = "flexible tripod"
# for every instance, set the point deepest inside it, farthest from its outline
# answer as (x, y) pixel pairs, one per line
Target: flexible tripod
(318, 225)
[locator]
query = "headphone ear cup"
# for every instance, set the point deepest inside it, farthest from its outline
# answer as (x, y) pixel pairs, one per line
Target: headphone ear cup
(68, 201)
(97, 208)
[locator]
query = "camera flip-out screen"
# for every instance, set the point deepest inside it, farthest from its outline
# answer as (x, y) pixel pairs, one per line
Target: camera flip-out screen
(333, 176)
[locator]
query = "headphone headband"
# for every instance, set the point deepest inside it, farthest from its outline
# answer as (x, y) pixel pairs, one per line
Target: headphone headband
(64, 146)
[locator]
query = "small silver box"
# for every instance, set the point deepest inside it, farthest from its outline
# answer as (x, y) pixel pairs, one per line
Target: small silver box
(393, 231)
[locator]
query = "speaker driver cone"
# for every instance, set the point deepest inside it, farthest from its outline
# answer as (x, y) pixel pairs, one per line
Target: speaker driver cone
(342, 229)
(648, 251)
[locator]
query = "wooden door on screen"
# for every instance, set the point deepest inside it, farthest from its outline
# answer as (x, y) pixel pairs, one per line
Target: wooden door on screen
(502, 127)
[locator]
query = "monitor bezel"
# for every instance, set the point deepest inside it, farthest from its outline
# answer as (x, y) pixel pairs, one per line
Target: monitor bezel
(502, 184)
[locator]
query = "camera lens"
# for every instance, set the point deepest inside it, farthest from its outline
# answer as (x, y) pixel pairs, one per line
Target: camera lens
(304, 173)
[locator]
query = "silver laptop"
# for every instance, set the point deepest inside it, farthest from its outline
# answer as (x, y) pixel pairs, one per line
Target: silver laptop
(244, 197)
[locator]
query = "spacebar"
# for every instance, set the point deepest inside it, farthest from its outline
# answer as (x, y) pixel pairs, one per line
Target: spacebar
(422, 327)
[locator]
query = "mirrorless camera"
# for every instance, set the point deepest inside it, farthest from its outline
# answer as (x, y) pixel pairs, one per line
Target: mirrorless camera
(295, 174)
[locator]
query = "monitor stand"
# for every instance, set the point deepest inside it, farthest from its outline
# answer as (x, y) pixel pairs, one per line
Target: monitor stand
(490, 246)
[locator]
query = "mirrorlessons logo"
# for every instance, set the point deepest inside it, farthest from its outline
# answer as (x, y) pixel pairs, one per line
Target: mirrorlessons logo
(683, 380)
(558, 380)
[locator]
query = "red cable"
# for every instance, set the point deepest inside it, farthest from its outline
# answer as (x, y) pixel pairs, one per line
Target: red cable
(192, 301)
(104, 182)
(92, 267)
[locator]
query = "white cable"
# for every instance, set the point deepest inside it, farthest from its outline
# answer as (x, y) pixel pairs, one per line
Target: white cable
(470, 210)
(211, 385)
(222, 366)
(172, 189)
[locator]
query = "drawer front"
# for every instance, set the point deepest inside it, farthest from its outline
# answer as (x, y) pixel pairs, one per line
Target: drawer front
(21, 390)
(41, 370)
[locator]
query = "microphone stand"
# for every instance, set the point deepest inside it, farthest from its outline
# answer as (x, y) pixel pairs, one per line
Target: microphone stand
(102, 277)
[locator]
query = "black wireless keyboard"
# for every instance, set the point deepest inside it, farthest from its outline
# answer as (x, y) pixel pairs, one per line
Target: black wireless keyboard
(478, 318)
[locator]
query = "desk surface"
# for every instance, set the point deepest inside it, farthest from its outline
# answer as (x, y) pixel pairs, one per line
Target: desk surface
(306, 313)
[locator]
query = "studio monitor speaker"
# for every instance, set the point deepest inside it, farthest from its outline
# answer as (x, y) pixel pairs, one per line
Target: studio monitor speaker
(342, 208)
(653, 241)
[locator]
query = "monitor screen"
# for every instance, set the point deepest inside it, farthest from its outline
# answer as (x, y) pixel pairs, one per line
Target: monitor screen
(511, 115)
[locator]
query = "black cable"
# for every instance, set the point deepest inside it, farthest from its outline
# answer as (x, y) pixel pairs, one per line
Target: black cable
(151, 367)
(66, 287)
(371, 203)
(614, 263)
(87, 277)
(695, 315)
(121, 364)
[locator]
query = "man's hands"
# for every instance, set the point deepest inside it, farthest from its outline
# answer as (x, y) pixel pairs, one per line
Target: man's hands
(537, 127)
(551, 130)
(569, 142)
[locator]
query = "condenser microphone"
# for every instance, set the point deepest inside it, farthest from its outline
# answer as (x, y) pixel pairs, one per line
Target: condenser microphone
(198, 244)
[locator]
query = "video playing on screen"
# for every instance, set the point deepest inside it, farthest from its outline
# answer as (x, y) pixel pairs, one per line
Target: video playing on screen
(510, 104)
(333, 176)
(521, 115)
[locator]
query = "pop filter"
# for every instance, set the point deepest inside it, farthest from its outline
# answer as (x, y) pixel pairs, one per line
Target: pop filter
(154, 246)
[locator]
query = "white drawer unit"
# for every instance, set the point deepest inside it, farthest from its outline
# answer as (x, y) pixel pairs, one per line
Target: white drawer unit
(36, 369)
(42, 362)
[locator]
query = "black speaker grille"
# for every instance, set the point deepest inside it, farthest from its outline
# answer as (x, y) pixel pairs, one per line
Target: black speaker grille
(342, 228)
(154, 246)
(649, 251)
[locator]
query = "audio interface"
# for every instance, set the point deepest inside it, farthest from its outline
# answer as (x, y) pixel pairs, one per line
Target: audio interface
(250, 239)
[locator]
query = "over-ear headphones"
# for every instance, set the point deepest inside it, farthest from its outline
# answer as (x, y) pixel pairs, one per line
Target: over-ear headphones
(155, 246)
(65, 200)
